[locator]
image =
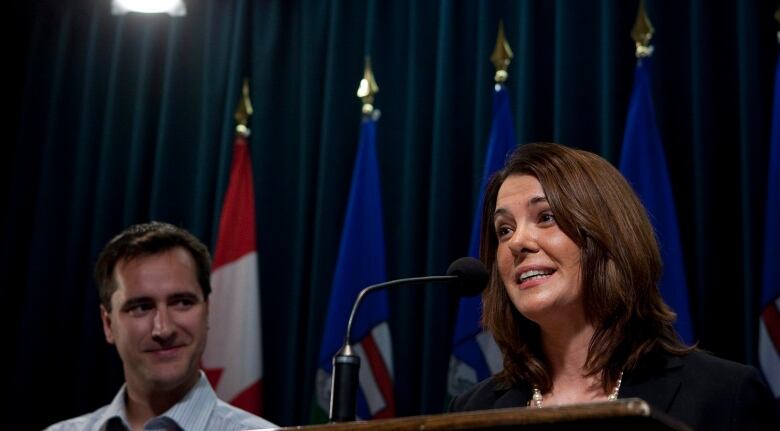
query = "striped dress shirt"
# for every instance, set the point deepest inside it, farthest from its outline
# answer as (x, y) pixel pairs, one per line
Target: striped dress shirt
(199, 410)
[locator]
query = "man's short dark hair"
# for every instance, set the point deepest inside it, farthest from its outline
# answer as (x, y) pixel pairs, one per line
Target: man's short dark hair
(144, 240)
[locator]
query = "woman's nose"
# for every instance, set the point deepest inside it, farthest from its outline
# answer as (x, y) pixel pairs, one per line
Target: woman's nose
(523, 240)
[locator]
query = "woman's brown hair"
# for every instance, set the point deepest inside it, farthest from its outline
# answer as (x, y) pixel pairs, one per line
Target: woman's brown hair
(621, 266)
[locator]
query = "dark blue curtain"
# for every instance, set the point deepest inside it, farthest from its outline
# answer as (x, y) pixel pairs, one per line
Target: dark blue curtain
(117, 120)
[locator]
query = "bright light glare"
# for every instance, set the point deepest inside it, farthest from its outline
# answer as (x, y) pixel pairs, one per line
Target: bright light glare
(171, 7)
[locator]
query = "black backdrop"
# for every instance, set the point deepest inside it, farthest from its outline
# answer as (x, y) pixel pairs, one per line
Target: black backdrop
(117, 120)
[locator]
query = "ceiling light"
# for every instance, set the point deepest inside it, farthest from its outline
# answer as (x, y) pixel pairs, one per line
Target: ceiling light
(171, 7)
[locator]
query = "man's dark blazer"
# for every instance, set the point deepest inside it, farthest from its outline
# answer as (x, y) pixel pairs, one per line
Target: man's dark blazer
(702, 391)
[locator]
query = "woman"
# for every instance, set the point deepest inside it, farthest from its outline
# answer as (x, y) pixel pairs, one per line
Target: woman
(574, 306)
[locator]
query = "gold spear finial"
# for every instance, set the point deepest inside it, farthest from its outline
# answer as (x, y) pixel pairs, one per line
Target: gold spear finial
(243, 110)
(642, 32)
(502, 55)
(777, 18)
(367, 88)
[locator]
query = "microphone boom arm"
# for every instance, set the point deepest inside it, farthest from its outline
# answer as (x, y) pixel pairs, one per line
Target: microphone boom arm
(469, 275)
(373, 287)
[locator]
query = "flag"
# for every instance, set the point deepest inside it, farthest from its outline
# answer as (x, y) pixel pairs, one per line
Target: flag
(360, 263)
(233, 357)
(769, 324)
(643, 163)
(475, 355)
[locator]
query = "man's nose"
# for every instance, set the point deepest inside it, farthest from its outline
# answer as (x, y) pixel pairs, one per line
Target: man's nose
(162, 325)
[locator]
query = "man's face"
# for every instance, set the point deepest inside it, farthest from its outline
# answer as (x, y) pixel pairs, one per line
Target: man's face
(158, 321)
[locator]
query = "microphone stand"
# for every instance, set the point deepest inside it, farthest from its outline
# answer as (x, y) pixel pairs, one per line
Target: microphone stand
(346, 364)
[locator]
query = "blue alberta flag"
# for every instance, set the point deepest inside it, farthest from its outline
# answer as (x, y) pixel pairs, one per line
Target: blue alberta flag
(643, 163)
(475, 355)
(769, 323)
(360, 263)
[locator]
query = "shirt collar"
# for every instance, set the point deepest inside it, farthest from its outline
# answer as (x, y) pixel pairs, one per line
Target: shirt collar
(116, 410)
(194, 410)
(191, 413)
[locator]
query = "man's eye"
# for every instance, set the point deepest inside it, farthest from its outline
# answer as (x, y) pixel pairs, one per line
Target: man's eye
(139, 309)
(183, 303)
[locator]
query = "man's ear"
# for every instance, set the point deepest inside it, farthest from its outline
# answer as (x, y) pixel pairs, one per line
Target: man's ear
(105, 317)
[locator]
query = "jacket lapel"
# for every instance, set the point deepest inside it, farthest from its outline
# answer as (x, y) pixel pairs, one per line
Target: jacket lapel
(657, 383)
(513, 397)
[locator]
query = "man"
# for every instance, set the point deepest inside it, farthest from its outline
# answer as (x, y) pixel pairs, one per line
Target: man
(153, 281)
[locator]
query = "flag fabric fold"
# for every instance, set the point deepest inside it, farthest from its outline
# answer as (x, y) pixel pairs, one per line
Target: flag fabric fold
(643, 163)
(233, 356)
(769, 323)
(475, 355)
(360, 263)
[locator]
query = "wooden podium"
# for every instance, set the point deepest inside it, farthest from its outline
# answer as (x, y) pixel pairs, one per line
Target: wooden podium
(631, 414)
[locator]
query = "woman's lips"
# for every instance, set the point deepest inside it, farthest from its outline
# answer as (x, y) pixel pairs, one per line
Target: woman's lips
(527, 278)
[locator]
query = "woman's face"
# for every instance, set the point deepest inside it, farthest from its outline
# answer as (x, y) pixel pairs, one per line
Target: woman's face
(539, 265)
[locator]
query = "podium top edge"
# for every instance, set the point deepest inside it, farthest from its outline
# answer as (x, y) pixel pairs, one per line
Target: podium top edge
(621, 409)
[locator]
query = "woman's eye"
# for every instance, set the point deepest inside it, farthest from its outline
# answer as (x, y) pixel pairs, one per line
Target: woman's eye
(502, 231)
(546, 217)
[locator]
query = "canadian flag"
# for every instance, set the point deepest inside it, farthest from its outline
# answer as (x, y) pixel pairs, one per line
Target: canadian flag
(233, 359)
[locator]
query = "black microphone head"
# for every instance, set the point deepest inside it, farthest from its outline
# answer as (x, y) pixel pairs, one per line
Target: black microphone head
(472, 276)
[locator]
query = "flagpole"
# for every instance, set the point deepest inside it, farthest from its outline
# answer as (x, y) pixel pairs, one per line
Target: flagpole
(642, 32)
(769, 318)
(475, 354)
(243, 111)
(502, 56)
(643, 164)
(346, 361)
(232, 359)
(367, 89)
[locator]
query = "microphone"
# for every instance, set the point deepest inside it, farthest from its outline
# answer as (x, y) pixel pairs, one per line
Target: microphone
(472, 276)
(468, 276)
